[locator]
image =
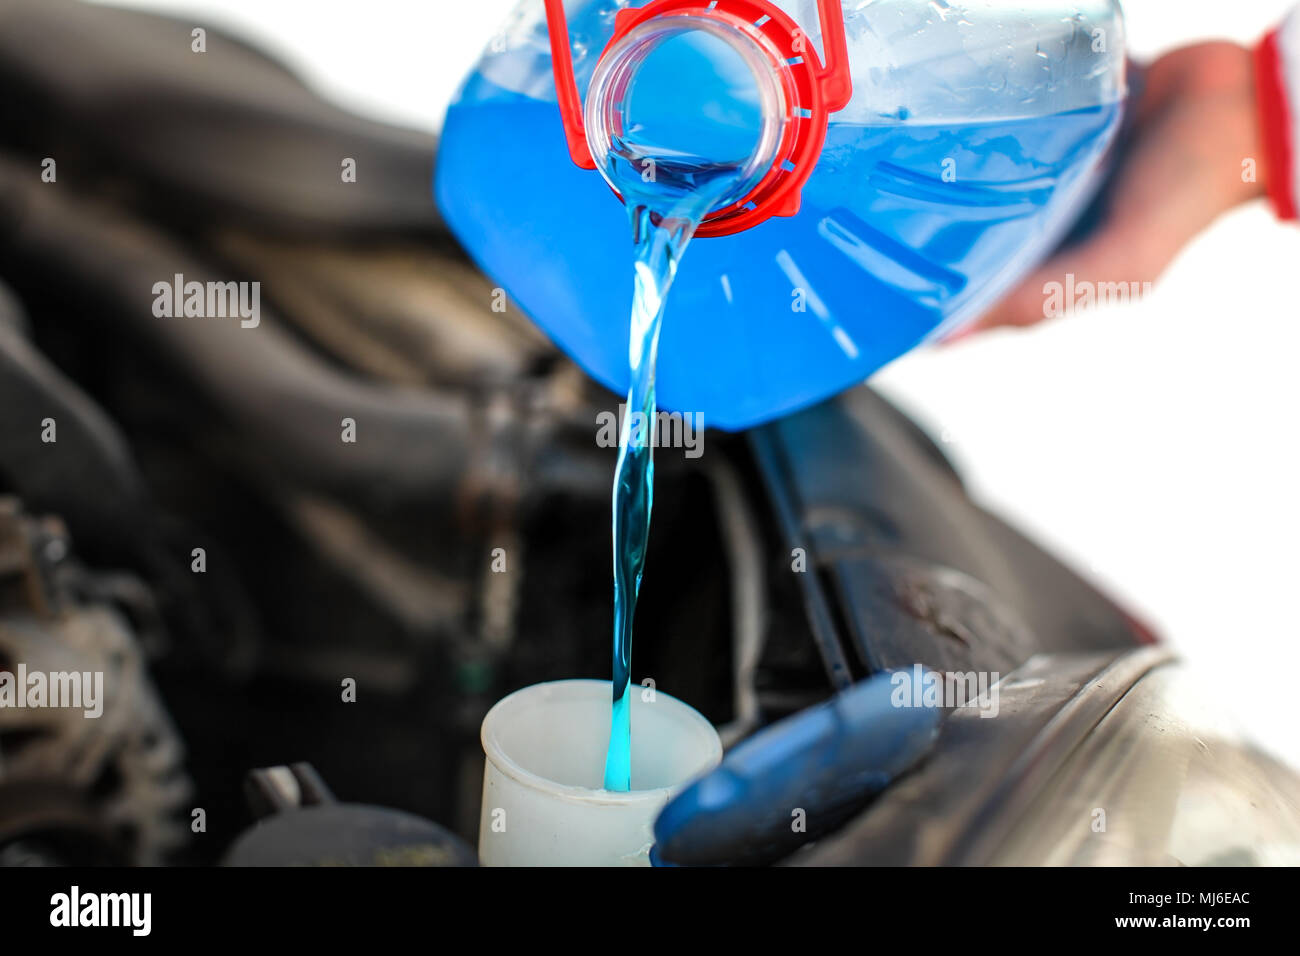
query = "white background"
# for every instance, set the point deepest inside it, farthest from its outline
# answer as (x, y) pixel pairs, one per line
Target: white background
(1152, 445)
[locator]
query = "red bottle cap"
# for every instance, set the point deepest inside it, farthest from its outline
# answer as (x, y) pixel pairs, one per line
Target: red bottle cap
(813, 91)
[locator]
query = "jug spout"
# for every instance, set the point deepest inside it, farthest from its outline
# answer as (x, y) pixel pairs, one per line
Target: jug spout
(799, 91)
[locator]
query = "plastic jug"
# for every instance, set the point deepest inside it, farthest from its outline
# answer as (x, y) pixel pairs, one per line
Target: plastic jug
(911, 159)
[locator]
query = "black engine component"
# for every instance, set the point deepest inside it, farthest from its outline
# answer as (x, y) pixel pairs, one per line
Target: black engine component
(100, 781)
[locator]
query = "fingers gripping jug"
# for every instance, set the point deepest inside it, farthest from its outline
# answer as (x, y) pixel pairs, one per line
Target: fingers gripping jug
(902, 163)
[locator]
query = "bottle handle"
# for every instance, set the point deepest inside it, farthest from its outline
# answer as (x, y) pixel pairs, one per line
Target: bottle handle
(835, 76)
(566, 86)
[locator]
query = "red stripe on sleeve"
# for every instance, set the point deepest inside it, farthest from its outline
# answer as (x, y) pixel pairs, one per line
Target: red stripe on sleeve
(1276, 121)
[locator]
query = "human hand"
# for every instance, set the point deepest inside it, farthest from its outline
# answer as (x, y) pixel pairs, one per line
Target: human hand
(1195, 129)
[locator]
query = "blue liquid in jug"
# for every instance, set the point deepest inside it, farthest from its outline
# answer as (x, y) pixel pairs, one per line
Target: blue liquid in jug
(767, 321)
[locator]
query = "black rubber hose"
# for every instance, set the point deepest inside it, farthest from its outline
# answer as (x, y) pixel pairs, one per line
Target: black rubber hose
(88, 451)
(285, 402)
(122, 102)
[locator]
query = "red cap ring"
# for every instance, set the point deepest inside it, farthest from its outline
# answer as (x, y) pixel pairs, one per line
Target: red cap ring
(811, 93)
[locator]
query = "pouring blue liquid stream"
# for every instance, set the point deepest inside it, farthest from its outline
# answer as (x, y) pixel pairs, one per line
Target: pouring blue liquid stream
(659, 240)
(667, 189)
(658, 249)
